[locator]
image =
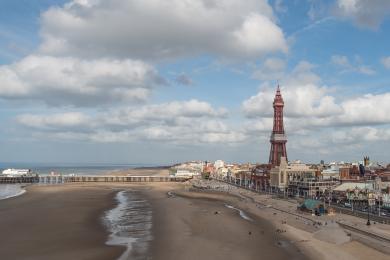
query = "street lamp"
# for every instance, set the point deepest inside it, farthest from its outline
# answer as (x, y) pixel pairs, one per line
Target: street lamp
(368, 208)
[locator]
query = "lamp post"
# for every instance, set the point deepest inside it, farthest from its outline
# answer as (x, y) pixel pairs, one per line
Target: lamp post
(368, 208)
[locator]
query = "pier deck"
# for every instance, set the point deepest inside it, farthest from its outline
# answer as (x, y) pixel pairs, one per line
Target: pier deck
(65, 179)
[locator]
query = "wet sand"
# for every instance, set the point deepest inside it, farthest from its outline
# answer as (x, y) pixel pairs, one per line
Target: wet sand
(156, 171)
(56, 222)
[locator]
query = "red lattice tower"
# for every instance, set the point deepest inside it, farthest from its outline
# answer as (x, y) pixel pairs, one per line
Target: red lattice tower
(278, 138)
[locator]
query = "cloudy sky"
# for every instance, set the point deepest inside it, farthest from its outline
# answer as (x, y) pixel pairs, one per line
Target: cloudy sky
(163, 81)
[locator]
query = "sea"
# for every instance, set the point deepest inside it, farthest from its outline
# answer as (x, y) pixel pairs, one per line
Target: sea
(130, 224)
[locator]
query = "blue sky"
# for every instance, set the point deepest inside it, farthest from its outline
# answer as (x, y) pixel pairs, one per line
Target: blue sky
(85, 81)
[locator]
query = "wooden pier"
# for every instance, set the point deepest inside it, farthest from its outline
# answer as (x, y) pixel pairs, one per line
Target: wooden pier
(15, 180)
(49, 179)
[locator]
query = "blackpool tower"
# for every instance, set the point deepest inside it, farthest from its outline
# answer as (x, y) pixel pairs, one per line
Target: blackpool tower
(278, 138)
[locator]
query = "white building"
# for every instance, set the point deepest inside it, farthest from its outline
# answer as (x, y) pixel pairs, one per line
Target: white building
(16, 172)
(219, 164)
(185, 173)
(333, 172)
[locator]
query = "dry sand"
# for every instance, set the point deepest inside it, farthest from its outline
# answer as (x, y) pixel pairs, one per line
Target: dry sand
(190, 227)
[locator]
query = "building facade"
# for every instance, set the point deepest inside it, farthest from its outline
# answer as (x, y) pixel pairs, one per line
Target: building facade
(282, 175)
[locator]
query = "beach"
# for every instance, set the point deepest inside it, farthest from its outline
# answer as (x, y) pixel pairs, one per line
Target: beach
(66, 222)
(189, 227)
(56, 222)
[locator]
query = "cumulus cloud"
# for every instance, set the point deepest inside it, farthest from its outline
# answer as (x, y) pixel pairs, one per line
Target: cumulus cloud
(364, 13)
(301, 94)
(182, 122)
(366, 110)
(152, 29)
(71, 81)
(301, 101)
(321, 110)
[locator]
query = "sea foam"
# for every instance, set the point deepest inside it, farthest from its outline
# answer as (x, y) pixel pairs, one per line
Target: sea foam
(11, 190)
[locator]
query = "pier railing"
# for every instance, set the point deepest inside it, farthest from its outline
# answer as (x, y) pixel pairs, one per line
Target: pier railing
(49, 179)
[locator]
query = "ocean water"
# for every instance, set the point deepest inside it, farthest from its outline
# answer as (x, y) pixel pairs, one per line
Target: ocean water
(65, 169)
(11, 190)
(242, 213)
(130, 224)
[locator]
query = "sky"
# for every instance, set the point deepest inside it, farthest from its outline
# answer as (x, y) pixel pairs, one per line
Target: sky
(165, 81)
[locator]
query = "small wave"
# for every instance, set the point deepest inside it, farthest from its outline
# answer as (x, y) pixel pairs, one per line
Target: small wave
(242, 213)
(129, 223)
(10, 190)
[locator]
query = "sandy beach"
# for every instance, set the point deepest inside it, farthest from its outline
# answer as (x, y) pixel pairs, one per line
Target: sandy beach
(56, 222)
(65, 222)
(189, 227)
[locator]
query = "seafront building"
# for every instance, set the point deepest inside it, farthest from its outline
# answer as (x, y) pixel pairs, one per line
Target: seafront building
(298, 179)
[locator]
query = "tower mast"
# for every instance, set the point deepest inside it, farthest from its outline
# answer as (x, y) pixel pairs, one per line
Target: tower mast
(278, 138)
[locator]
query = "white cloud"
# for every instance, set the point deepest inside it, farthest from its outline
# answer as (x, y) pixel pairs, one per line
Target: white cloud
(156, 29)
(271, 69)
(71, 81)
(386, 62)
(364, 13)
(189, 121)
(314, 108)
(366, 110)
(56, 121)
(300, 101)
(301, 94)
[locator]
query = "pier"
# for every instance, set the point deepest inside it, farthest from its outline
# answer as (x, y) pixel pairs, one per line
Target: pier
(49, 179)
(15, 180)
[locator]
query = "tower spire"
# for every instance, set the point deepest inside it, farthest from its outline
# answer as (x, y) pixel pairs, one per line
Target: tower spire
(278, 138)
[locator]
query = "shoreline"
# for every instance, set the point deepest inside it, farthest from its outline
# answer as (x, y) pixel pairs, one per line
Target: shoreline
(20, 190)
